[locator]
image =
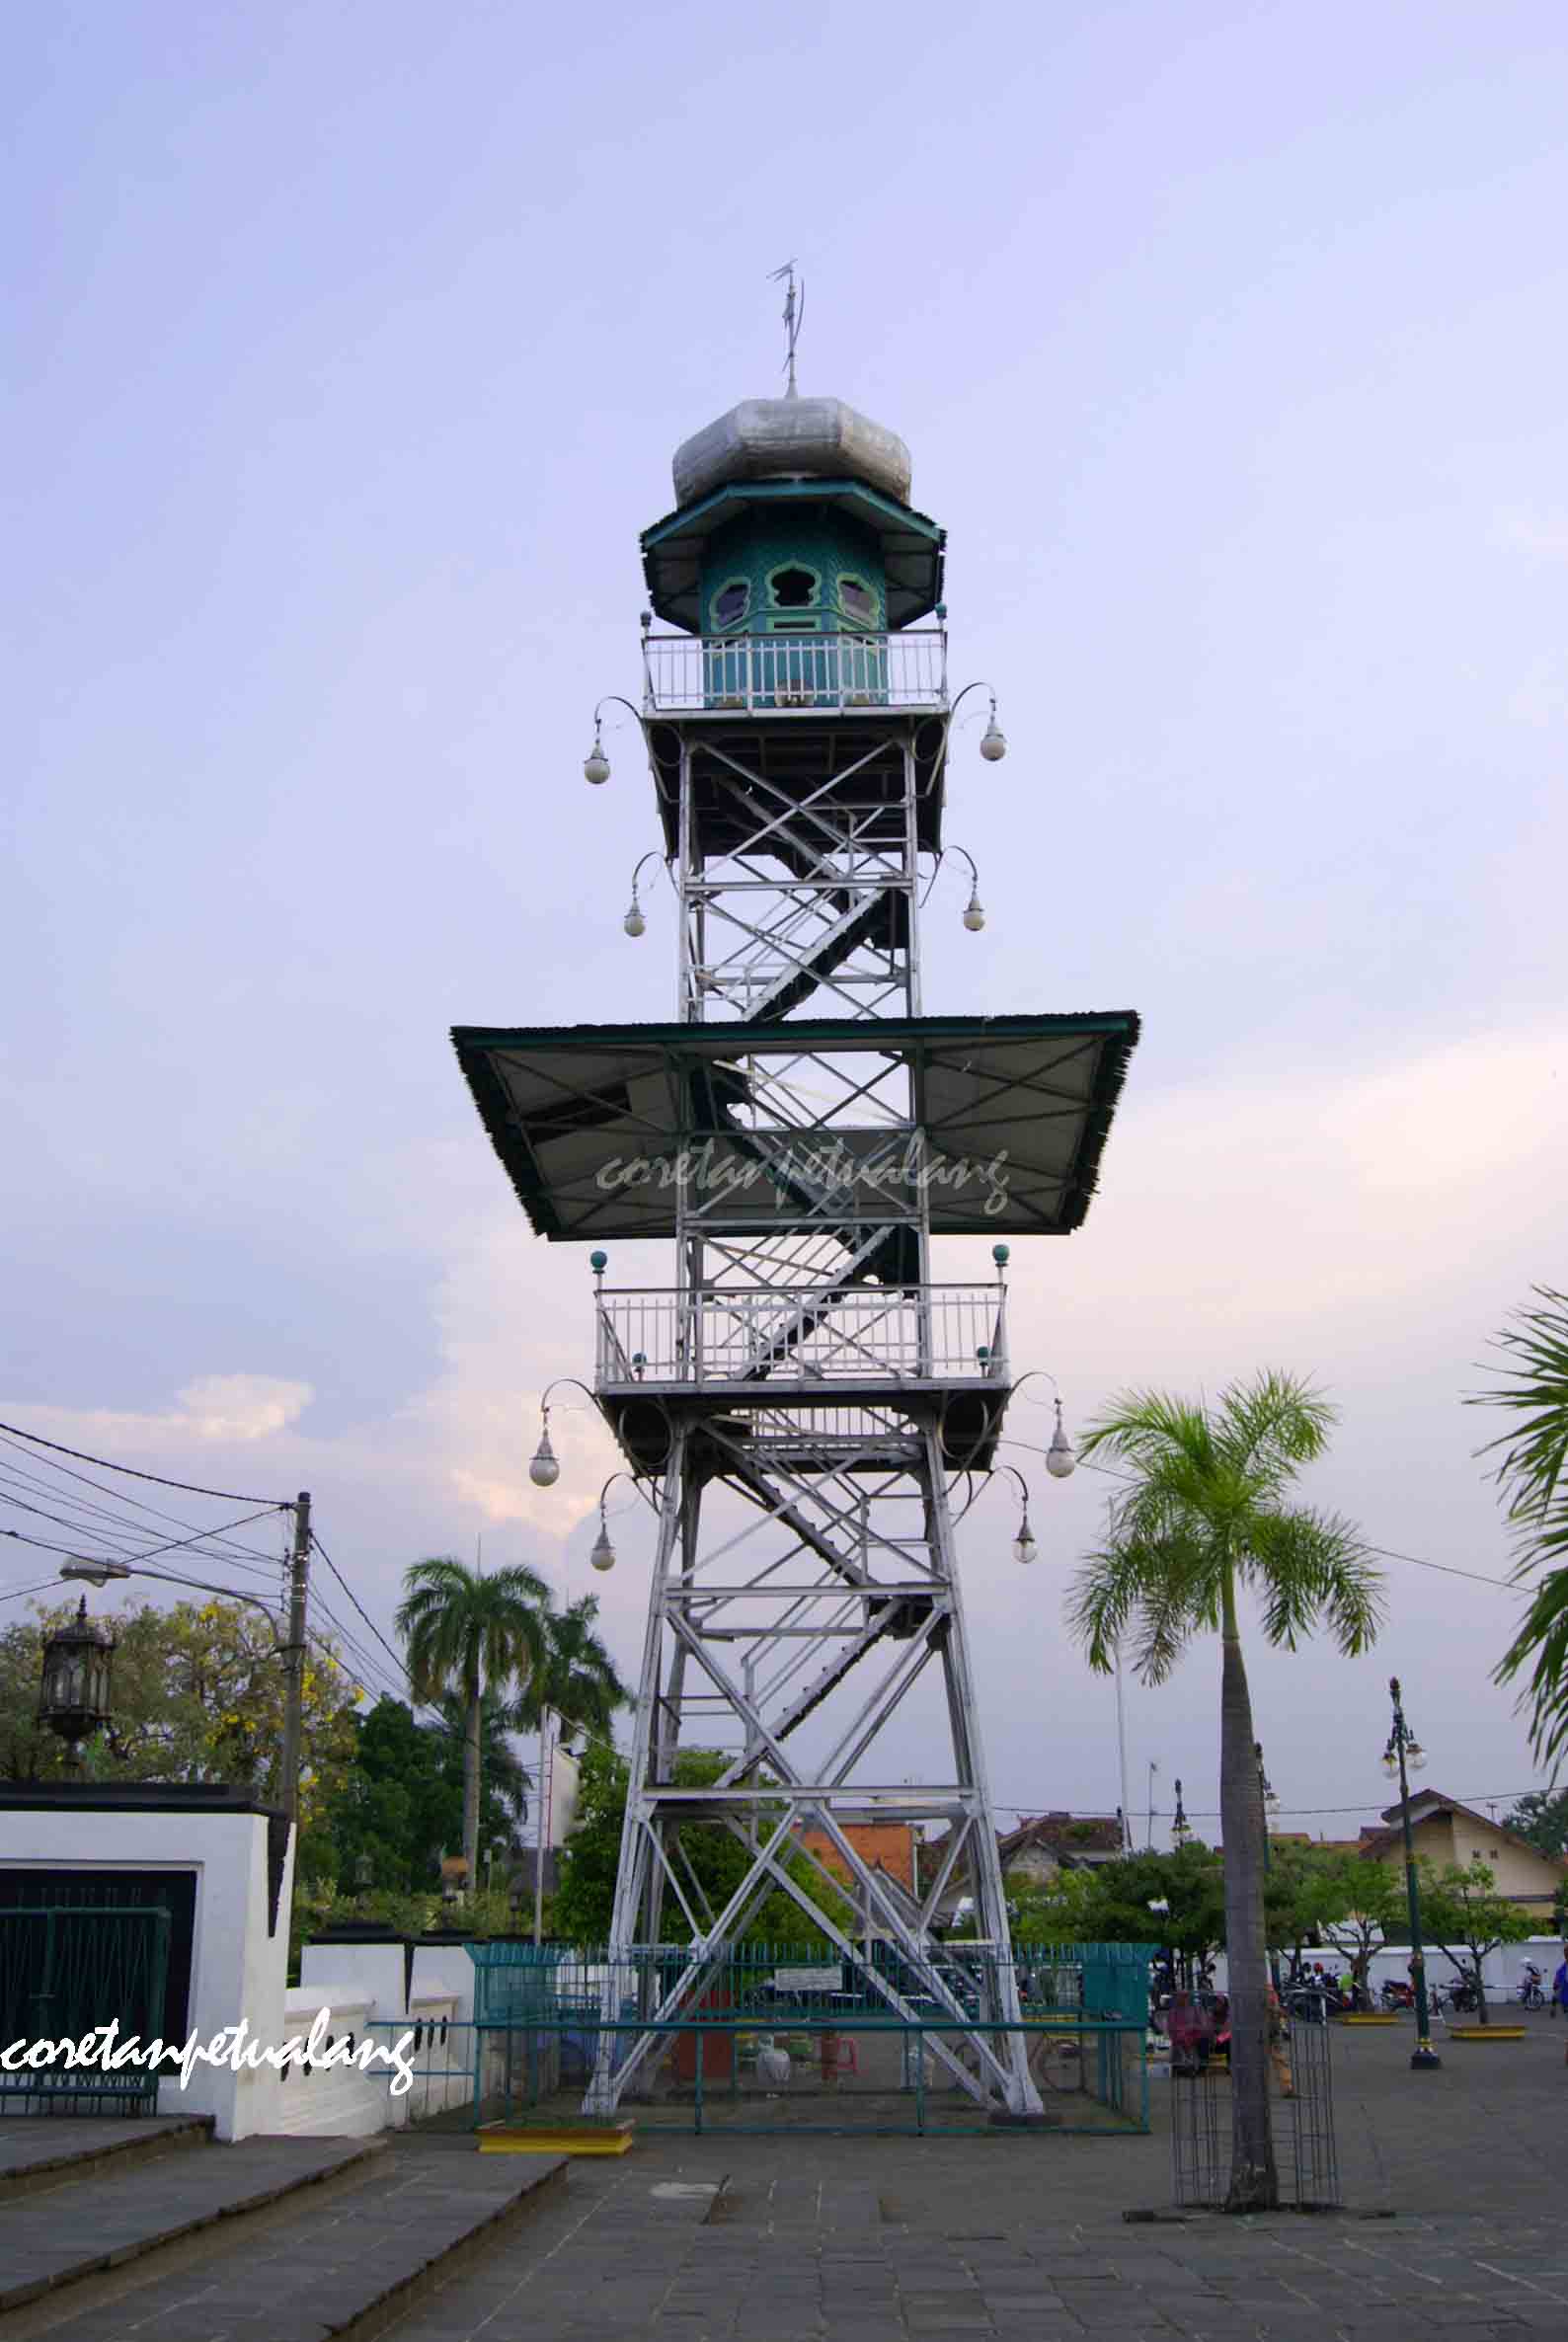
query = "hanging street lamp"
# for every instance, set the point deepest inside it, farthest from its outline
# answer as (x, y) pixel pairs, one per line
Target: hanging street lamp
(73, 1692)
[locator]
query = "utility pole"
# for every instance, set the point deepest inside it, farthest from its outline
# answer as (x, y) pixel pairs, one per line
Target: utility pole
(294, 1655)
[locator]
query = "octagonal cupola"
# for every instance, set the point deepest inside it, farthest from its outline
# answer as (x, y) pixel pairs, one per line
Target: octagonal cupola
(793, 517)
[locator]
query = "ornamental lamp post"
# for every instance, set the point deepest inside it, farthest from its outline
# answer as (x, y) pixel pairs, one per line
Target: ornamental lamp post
(1403, 1755)
(73, 1691)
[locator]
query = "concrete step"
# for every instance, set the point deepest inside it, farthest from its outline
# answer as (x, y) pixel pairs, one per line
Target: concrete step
(339, 2261)
(107, 2217)
(44, 2152)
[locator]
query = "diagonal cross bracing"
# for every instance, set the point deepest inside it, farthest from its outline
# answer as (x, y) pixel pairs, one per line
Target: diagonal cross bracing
(806, 1577)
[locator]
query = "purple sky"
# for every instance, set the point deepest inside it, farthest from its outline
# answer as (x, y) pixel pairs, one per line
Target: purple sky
(347, 350)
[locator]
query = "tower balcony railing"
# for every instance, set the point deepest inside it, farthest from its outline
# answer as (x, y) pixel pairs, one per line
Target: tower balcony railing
(799, 674)
(803, 1336)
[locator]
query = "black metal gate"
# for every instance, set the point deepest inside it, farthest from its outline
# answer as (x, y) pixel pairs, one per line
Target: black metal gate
(66, 1969)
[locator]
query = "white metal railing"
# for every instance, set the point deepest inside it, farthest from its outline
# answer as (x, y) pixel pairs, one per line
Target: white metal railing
(800, 671)
(803, 1334)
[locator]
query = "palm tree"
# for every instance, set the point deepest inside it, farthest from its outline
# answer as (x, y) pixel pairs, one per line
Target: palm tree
(466, 1633)
(577, 1679)
(1532, 1473)
(1205, 1511)
(504, 1781)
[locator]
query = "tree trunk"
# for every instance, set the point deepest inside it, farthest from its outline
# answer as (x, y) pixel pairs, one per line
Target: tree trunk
(1254, 2181)
(471, 1790)
(1482, 2012)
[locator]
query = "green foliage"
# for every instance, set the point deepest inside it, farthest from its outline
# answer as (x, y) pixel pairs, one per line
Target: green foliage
(1378, 1911)
(1465, 1915)
(585, 1891)
(1052, 1910)
(465, 1632)
(1531, 1473)
(1306, 1891)
(577, 1679)
(584, 1896)
(1207, 1512)
(401, 1803)
(1208, 1509)
(197, 1695)
(1542, 1816)
(1113, 1904)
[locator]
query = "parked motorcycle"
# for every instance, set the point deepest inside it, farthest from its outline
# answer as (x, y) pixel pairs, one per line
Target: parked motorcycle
(1396, 1995)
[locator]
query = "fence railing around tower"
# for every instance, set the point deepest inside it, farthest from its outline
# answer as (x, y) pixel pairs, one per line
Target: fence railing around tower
(799, 673)
(805, 1334)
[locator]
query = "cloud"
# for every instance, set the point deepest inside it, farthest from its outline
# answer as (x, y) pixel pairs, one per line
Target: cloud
(218, 1410)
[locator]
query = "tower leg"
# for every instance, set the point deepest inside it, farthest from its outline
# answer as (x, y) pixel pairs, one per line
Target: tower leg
(1021, 2097)
(638, 1858)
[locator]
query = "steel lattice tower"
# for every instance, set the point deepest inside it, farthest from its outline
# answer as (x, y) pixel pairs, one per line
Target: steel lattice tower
(803, 1394)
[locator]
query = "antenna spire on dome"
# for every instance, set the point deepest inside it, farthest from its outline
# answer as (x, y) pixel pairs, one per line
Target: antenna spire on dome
(794, 311)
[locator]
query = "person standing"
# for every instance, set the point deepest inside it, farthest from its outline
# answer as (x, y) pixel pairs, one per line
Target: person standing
(1559, 1990)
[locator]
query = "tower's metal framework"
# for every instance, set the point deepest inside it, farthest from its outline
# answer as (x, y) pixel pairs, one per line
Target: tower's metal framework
(804, 1393)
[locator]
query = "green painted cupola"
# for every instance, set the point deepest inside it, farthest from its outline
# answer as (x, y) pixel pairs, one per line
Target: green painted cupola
(793, 517)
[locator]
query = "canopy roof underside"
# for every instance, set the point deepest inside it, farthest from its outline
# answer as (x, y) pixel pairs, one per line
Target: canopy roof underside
(599, 1125)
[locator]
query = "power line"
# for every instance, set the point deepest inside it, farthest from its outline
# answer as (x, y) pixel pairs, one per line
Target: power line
(1417, 1561)
(174, 1545)
(107, 1463)
(119, 1498)
(15, 1592)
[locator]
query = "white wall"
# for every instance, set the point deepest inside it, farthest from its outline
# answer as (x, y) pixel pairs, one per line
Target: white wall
(237, 1970)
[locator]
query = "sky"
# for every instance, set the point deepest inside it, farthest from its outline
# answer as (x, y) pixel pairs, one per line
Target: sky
(346, 351)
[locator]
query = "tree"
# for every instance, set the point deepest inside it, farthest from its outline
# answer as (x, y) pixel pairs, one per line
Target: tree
(1542, 1816)
(401, 1803)
(1189, 1881)
(1462, 1906)
(1051, 1911)
(1308, 1892)
(1531, 1473)
(584, 1893)
(1207, 1514)
(466, 1633)
(1376, 1910)
(577, 1679)
(196, 1696)
(710, 1862)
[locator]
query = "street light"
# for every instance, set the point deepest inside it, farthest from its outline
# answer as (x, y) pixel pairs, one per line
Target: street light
(595, 764)
(634, 922)
(544, 1467)
(974, 909)
(73, 1688)
(289, 1647)
(1403, 1755)
(994, 740)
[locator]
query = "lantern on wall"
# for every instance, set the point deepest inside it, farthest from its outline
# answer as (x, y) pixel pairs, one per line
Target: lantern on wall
(73, 1694)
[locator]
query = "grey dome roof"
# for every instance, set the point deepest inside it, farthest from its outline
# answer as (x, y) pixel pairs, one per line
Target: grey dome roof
(791, 438)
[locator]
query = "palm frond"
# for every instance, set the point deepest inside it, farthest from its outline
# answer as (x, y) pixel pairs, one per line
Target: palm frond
(1270, 1426)
(1309, 1565)
(1148, 1430)
(1542, 1637)
(1533, 1461)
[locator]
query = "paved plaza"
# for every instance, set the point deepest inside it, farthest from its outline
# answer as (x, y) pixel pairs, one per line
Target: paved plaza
(1455, 2225)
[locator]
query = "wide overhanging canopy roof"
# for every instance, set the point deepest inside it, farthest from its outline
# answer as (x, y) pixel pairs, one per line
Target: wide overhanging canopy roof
(599, 1125)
